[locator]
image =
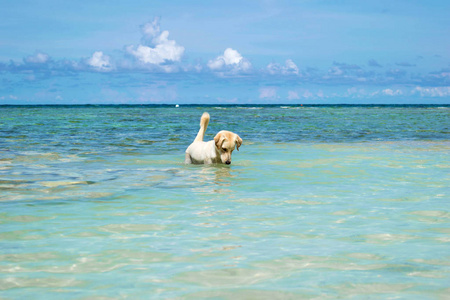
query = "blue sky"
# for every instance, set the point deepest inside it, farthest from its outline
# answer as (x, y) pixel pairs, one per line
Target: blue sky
(213, 52)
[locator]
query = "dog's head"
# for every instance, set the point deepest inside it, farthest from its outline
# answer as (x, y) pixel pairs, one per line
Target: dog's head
(226, 141)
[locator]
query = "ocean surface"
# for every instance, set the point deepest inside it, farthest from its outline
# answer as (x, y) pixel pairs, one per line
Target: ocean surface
(320, 202)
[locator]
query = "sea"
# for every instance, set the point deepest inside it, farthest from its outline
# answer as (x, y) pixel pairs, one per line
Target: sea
(320, 202)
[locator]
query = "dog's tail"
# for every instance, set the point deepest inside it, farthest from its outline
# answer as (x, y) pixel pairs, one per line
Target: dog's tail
(204, 121)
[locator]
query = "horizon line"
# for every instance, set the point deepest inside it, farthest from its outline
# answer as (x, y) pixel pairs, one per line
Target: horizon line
(229, 104)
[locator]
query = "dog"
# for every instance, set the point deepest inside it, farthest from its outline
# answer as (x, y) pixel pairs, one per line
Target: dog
(215, 151)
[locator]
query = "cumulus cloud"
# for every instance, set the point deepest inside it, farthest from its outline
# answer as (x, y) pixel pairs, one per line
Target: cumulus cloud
(150, 30)
(390, 92)
(442, 91)
(37, 58)
(100, 61)
(229, 57)
(231, 60)
(157, 48)
(10, 97)
(289, 68)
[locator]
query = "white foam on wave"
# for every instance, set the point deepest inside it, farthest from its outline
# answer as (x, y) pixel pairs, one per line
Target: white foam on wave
(253, 107)
(290, 107)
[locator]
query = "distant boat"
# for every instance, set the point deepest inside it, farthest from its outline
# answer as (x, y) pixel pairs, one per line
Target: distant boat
(177, 105)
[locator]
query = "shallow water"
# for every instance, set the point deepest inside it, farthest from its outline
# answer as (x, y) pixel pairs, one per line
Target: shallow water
(320, 202)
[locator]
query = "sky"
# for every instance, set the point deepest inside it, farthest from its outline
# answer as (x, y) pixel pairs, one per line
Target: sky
(225, 52)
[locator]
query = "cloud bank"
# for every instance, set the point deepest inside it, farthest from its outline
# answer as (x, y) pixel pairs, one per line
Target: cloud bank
(156, 57)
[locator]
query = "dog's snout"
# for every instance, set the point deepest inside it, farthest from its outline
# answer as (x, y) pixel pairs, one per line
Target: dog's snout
(228, 162)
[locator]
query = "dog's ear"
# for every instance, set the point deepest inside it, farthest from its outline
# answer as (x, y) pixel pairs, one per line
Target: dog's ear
(238, 142)
(219, 139)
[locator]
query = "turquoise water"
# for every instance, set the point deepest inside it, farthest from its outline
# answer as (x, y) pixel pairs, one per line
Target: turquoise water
(320, 202)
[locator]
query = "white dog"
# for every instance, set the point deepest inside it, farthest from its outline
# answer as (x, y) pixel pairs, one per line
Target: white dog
(216, 151)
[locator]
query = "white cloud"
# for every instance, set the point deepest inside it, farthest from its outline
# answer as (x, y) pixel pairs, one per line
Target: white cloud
(267, 93)
(100, 61)
(163, 50)
(390, 92)
(12, 97)
(442, 91)
(230, 59)
(38, 58)
(289, 68)
(274, 68)
(151, 30)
